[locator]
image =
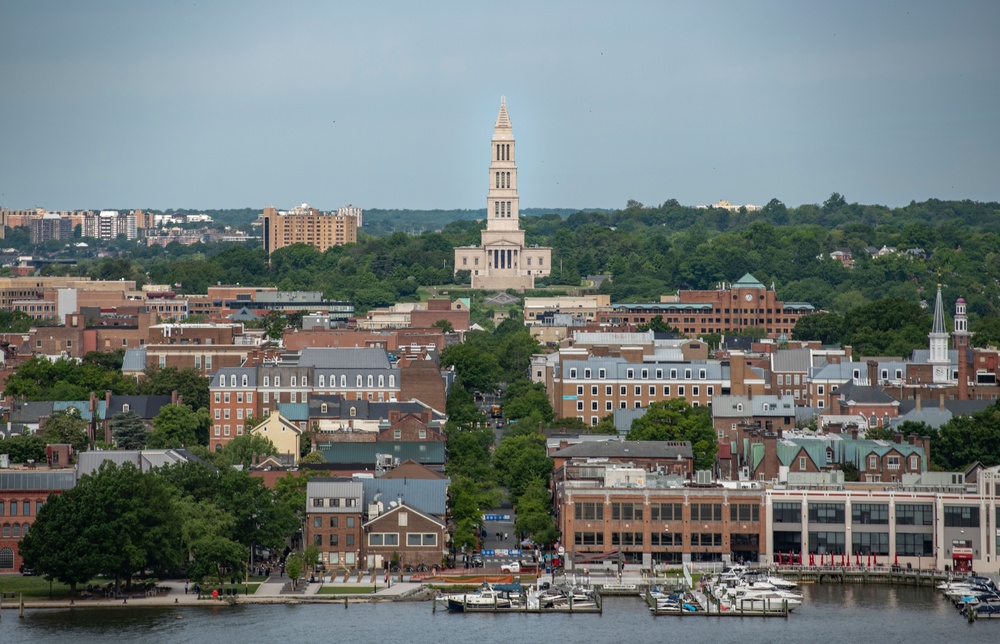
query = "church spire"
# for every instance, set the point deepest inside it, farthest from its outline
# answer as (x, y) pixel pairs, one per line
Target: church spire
(938, 314)
(503, 120)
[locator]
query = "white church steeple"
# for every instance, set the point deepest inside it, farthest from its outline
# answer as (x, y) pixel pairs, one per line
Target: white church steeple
(938, 357)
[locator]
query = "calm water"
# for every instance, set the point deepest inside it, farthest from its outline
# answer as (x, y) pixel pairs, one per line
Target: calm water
(830, 614)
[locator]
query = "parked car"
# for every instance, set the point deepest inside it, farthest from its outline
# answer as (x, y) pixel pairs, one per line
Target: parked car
(513, 567)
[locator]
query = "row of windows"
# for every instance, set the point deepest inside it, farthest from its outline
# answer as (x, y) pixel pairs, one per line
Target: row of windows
(413, 539)
(907, 544)
(227, 397)
(22, 508)
(503, 180)
(350, 502)
(623, 390)
(239, 413)
(226, 430)
(320, 381)
(334, 540)
(16, 530)
(334, 521)
(666, 512)
(644, 373)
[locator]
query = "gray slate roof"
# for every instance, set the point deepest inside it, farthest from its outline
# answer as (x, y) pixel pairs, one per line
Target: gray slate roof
(147, 407)
(90, 461)
(791, 360)
(344, 358)
(426, 495)
(135, 360)
(224, 377)
(743, 406)
(627, 449)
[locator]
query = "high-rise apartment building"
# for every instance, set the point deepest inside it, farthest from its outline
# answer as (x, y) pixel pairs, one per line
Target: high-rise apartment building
(305, 225)
(502, 261)
(109, 224)
(50, 226)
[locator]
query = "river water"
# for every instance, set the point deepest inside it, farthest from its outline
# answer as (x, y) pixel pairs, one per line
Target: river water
(830, 613)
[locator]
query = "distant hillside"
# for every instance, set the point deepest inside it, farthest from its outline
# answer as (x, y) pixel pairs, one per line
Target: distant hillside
(380, 222)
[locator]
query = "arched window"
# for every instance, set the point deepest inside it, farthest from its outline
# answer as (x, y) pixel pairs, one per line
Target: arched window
(343, 380)
(392, 380)
(293, 381)
(267, 381)
(323, 408)
(305, 381)
(245, 380)
(6, 530)
(371, 380)
(381, 380)
(24, 530)
(739, 406)
(354, 412)
(496, 208)
(508, 180)
(232, 380)
(17, 530)
(498, 179)
(322, 381)
(6, 557)
(277, 381)
(359, 380)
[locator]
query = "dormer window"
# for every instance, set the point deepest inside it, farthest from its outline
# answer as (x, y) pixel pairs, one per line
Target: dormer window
(353, 412)
(245, 380)
(324, 408)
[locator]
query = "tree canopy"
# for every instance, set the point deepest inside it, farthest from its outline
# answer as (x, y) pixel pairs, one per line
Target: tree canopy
(676, 420)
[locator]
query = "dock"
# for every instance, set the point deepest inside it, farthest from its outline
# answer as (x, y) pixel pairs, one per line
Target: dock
(864, 575)
(708, 606)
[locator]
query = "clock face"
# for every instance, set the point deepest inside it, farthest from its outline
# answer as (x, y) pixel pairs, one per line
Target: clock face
(748, 297)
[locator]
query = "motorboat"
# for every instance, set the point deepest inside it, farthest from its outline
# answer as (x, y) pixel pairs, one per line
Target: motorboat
(486, 597)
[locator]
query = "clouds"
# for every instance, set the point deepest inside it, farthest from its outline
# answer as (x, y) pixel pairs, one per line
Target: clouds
(225, 104)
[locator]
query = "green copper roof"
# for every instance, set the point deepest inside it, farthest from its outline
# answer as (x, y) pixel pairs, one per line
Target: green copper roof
(747, 281)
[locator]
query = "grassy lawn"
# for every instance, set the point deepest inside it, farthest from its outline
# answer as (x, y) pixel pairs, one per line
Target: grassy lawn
(35, 588)
(346, 590)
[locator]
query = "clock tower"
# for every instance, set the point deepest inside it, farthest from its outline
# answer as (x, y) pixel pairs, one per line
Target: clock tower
(939, 359)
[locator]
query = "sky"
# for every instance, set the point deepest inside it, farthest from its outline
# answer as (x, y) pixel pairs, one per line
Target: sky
(392, 104)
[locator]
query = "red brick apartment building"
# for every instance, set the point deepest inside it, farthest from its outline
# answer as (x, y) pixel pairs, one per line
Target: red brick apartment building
(23, 492)
(732, 308)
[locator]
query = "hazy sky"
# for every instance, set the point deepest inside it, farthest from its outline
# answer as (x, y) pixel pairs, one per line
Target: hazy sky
(139, 104)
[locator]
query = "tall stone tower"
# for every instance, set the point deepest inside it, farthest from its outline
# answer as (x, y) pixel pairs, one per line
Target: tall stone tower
(502, 261)
(960, 335)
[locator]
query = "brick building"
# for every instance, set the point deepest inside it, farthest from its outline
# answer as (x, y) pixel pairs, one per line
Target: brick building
(305, 225)
(23, 492)
(731, 308)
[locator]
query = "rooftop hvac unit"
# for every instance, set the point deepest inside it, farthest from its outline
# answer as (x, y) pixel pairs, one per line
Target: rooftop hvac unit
(703, 477)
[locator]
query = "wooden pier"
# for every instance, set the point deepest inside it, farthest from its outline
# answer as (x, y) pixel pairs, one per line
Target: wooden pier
(863, 575)
(708, 606)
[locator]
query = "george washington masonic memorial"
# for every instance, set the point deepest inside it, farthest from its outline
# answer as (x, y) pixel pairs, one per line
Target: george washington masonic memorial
(502, 261)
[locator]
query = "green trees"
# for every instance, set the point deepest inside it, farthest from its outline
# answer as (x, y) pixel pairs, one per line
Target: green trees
(966, 439)
(179, 426)
(118, 521)
(676, 420)
(22, 449)
(520, 460)
(534, 514)
(128, 430)
(241, 450)
(188, 383)
(66, 426)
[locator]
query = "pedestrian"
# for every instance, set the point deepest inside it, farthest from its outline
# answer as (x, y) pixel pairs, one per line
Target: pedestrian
(185, 588)
(504, 536)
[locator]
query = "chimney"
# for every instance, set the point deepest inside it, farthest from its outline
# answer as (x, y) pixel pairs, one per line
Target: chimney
(917, 399)
(963, 372)
(941, 402)
(173, 397)
(107, 401)
(897, 438)
(854, 433)
(872, 373)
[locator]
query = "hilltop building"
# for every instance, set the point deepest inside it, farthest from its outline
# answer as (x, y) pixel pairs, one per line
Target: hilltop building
(305, 225)
(502, 261)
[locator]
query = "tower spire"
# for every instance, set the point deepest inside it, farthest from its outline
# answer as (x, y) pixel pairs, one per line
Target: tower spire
(938, 313)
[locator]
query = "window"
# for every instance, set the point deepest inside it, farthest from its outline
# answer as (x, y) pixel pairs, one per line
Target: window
(961, 517)
(334, 539)
(870, 542)
(267, 381)
(666, 511)
(381, 539)
(687, 374)
(579, 405)
(673, 374)
(630, 373)
(914, 514)
(588, 538)
(802, 463)
(911, 544)
(586, 373)
(870, 513)
(826, 513)
(744, 512)
(680, 390)
(593, 391)
(781, 379)
(572, 373)
(277, 381)
(601, 373)
(787, 513)
(827, 542)
(588, 511)
(706, 512)
(350, 540)
(666, 390)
